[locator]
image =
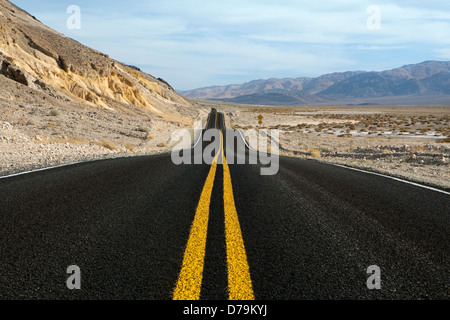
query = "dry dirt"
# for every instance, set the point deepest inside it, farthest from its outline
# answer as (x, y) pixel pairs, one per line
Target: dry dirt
(38, 131)
(411, 143)
(62, 102)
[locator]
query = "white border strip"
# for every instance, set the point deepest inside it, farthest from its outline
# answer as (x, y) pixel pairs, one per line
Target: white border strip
(242, 136)
(75, 163)
(54, 167)
(393, 178)
(200, 134)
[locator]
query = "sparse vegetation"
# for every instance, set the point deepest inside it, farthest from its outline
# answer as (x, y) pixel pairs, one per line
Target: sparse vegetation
(143, 129)
(54, 113)
(392, 140)
(314, 153)
(107, 144)
(131, 147)
(77, 141)
(445, 140)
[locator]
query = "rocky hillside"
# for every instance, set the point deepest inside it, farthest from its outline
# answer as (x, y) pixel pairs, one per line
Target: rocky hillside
(46, 61)
(429, 80)
(62, 102)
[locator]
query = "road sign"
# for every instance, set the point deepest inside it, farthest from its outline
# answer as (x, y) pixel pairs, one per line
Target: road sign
(260, 117)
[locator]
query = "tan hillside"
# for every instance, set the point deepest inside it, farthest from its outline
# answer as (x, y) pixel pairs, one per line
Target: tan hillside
(42, 59)
(61, 101)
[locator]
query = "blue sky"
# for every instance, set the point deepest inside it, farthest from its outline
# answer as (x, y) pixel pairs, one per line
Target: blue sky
(194, 43)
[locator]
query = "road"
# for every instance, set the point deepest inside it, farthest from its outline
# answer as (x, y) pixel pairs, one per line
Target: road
(145, 228)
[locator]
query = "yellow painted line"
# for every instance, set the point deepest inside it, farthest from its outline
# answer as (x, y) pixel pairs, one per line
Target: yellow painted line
(239, 281)
(190, 279)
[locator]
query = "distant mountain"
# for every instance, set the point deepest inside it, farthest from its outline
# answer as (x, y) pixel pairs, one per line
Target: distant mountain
(274, 98)
(429, 79)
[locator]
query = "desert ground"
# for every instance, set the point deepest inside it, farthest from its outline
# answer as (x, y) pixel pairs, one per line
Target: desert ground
(38, 131)
(63, 102)
(406, 142)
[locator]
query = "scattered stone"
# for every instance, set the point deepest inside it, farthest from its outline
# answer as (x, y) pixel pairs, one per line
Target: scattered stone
(5, 125)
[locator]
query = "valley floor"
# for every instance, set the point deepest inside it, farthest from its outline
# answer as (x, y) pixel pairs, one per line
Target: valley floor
(411, 143)
(406, 142)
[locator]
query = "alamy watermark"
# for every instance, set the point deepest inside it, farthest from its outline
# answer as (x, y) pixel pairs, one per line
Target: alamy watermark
(241, 147)
(374, 280)
(374, 20)
(74, 280)
(74, 19)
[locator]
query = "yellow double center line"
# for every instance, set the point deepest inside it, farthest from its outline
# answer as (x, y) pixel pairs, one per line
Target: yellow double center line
(190, 279)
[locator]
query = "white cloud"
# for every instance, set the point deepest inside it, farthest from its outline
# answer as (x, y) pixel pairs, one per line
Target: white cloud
(198, 43)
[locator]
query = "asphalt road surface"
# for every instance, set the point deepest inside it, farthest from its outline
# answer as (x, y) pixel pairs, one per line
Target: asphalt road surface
(146, 228)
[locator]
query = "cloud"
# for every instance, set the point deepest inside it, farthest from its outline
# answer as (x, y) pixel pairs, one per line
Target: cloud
(193, 43)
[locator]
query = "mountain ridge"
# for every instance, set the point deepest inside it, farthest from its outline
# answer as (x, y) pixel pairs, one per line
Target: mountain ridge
(428, 78)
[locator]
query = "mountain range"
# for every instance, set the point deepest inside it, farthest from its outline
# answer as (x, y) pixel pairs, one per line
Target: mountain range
(423, 83)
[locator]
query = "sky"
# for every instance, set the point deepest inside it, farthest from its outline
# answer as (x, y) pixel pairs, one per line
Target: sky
(200, 43)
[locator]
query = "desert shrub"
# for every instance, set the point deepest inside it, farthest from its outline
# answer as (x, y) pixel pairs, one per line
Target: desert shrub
(54, 113)
(131, 148)
(107, 144)
(314, 153)
(76, 140)
(445, 140)
(418, 149)
(143, 129)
